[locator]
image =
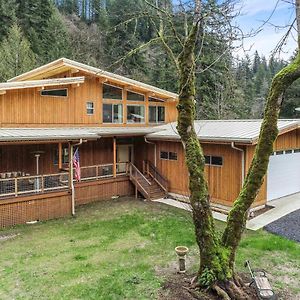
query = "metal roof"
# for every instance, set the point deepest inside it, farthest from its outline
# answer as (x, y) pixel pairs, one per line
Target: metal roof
(40, 83)
(74, 133)
(243, 131)
(92, 70)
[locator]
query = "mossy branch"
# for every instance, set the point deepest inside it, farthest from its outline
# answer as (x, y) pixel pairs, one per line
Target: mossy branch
(237, 217)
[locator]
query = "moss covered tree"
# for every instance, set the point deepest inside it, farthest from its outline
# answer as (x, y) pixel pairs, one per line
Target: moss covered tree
(217, 253)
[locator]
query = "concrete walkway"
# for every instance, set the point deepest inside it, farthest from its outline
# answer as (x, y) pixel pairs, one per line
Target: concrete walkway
(282, 207)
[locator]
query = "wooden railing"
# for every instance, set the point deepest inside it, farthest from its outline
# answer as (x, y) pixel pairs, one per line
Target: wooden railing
(33, 184)
(141, 182)
(19, 186)
(151, 170)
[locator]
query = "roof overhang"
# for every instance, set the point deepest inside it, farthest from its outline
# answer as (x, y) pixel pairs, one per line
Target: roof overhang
(40, 83)
(64, 65)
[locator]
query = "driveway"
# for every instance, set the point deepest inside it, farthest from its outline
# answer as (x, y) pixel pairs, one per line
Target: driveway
(287, 226)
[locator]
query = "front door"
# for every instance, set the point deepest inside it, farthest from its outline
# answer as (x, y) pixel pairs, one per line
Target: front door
(124, 155)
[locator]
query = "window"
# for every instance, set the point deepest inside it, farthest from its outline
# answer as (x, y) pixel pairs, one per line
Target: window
(168, 155)
(112, 113)
(164, 155)
(153, 99)
(207, 159)
(279, 152)
(297, 151)
(131, 96)
(90, 108)
(156, 114)
(288, 151)
(64, 155)
(135, 114)
(213, 160)
(55, 93)
(216, 161)
(112, 92)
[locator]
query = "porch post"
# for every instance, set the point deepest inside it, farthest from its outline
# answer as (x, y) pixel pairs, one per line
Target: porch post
(115, 157)
(59, 156)
(71, 183)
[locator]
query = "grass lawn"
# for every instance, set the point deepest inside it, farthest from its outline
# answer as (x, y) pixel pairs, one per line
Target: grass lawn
(121, 249)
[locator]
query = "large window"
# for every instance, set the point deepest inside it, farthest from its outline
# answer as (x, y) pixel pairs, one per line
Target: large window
(112, 113)
(135, 114)
(55, 93)
(131, 96)
(156, 114)
(112, 92)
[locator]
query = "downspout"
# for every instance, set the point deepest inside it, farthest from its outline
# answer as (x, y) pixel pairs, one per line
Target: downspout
(154, 149)
(71, 176)
(243, 160)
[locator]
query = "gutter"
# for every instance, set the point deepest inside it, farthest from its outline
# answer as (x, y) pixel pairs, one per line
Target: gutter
(154, 149)
(243, 160)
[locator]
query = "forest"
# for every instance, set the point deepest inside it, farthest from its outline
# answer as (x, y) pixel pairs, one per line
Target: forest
(103, 33)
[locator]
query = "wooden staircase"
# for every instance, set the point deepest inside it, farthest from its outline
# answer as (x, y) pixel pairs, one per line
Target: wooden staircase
(149, 183)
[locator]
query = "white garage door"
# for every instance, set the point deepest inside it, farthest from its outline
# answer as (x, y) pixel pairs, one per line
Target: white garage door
(283, 174)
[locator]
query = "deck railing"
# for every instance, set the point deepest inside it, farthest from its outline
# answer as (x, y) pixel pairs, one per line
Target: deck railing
(19, 186)
(33, 184)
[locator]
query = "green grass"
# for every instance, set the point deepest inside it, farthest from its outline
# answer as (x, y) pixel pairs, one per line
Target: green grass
(120, 249)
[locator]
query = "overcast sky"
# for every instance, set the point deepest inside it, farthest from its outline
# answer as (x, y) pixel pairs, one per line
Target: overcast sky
(254, 13)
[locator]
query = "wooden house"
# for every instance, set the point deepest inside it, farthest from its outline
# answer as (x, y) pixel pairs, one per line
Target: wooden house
(125, 131)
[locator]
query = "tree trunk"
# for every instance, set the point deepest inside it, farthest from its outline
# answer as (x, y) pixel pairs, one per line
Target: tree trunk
(217, 256)
(238, 215)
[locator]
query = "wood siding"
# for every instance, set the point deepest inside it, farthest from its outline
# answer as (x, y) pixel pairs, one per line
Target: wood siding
(224, 181)
(27, 108)
(87, 192)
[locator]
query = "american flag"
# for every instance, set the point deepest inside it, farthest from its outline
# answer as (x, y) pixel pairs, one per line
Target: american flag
(76, 165)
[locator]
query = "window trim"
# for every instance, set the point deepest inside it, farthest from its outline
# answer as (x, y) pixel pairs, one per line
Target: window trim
(56, 96)
(158, 100)
(133, 104)
(56, 151)
(141, 101)
(210, 160)
(156, 114)
(168, 158)
(87, 108)
(112, 99)
(112, 113)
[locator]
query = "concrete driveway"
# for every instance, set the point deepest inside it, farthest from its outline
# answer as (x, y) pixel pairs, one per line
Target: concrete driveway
(282, 207)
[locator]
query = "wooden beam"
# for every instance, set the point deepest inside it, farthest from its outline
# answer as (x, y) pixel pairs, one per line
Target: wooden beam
(103, 79)
(59, 156)
(2, 92)
(74, 71)
(115, 157)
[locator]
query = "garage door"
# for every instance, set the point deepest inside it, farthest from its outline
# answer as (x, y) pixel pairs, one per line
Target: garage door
(283, 174)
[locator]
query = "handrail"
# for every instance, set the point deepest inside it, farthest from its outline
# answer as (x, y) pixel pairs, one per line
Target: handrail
(163, 182)
(140, 173)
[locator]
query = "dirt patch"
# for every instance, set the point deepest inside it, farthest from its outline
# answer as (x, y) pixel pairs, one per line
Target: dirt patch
(177, 287)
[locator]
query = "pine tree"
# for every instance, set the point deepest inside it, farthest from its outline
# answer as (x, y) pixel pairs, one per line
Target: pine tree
(15, 54)
(7, 16)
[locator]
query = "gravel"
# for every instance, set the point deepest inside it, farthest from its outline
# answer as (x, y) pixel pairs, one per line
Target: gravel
(287, 226)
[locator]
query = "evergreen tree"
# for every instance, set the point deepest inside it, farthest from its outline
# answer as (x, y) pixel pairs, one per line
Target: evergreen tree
(15, 54)
(7, 16)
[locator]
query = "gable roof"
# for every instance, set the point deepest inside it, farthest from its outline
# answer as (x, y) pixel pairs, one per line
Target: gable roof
(63, 64)
(40, 83)
(240, 131)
